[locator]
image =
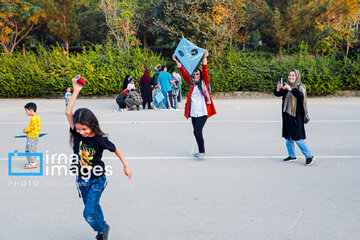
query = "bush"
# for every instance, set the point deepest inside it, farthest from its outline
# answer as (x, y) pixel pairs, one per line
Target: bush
(253, 72)
(47, 72)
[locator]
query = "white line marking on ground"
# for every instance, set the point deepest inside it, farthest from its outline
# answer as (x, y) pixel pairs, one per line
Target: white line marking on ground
(221, 157)
(297, 218)
(184, 121)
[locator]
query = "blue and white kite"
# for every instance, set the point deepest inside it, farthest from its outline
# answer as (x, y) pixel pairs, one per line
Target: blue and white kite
(189, 55)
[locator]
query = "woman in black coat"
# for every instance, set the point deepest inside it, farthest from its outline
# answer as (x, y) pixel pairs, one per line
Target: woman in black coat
(294, 110)
(145, 89)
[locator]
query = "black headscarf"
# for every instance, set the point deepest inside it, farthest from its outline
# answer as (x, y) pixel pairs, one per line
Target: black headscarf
(126, 81)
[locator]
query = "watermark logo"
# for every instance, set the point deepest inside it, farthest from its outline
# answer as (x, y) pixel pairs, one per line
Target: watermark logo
(58, 165)
(14, 154)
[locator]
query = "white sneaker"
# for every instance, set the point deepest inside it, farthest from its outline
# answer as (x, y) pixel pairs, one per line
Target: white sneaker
(199, 155)
(30, 165)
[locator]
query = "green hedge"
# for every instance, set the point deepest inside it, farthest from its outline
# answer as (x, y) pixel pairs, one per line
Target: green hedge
(254, 72)
(47, 72)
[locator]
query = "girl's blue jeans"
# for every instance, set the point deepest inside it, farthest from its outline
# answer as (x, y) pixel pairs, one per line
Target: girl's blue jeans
(301, 144)
(91, 191)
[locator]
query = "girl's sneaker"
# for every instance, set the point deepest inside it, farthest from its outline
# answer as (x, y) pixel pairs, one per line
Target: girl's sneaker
(104, 235)
(288, 159)
(310, 160)
(30, 165)
(199, 155)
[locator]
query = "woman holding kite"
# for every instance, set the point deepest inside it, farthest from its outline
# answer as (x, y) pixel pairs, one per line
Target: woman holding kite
(199, 105)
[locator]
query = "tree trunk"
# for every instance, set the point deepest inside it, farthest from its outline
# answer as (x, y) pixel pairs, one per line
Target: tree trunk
(145, 43)
(244, 42)
(230, 43)
(67, 48)
(281, 52)
(6, 50)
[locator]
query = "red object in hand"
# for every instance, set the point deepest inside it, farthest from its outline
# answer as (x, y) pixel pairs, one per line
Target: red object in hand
(81, 81)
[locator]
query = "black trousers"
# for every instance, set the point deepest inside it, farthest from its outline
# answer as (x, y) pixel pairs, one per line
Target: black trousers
(121, 103)
(198, 125)
(149, 105)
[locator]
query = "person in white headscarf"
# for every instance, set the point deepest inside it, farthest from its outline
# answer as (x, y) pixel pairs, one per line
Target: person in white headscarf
(294, 115)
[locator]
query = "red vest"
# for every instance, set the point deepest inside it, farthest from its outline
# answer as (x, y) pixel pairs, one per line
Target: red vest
(126, 91)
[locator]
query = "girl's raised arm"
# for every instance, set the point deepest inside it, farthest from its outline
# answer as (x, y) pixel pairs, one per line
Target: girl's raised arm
(68, 112)
(206, 54)
(178, 64)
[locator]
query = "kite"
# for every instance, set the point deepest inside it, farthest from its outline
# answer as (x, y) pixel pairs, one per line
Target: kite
(24, 135)
(189, 55)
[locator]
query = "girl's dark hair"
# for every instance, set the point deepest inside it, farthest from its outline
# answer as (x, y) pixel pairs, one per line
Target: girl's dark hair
(85, 116)
(201, 74)
(199, 84)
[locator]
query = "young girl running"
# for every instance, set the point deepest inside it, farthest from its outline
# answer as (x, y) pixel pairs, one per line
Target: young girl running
(89, 142)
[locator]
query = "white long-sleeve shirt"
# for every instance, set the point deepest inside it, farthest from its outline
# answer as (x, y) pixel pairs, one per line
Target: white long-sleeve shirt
(198, 105)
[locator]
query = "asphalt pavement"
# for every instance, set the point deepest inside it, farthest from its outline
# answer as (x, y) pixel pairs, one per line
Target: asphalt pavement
(241, 190)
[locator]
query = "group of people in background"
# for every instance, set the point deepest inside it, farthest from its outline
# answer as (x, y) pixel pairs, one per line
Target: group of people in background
(129, 98)
(161, 91)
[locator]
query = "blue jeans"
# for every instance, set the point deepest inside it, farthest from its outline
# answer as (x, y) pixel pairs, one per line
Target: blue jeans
(166, 100)
(91, 191)
(301, 144)
(179, 98)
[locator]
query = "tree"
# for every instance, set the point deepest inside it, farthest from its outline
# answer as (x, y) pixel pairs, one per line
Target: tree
(18, 19)
(143, 20)
(92, 26)
(289, 19)
(281, 31)
(256, 15)
(61, 20)
(200, 21)
(235, 19)
(119, 16)
(337, 22)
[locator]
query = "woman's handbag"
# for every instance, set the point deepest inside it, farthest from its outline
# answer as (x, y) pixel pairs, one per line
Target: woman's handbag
(306, 118)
